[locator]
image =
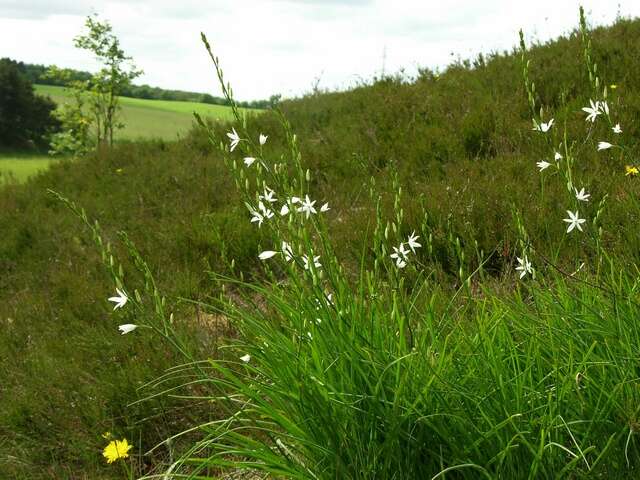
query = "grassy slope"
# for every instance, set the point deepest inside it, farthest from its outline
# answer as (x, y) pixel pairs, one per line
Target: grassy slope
(143, 119)
(151, 118)
(452, 140)
(19, 167)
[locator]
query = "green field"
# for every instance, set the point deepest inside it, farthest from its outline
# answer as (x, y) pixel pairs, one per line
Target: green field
(143, 119)
(19, 167)
(150, 118)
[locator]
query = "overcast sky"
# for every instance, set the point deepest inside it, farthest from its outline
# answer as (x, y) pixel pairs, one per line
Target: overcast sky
(282, 46)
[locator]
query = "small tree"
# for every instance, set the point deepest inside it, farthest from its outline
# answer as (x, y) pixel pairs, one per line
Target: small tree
(96, 103)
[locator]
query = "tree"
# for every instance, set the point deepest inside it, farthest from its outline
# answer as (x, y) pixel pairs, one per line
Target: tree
(25, 118)
(99, 94)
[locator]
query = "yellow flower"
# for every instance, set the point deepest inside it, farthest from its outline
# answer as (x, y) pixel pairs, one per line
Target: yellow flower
(613, 86)
(116, 449)
(631, 170)
(106, 435)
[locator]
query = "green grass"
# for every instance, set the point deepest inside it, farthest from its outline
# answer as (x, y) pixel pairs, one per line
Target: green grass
(19, 167)
(518, 379)
(151, 118)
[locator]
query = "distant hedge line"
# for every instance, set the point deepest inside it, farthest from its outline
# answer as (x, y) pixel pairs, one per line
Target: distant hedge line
(38, 74)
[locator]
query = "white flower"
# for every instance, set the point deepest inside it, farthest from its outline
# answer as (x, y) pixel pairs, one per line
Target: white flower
(413, 244)
(604, 107)
(557, 156)
(246, 358)
(287, 251)
(256, 217)
(295, 200)
(263, 139)
(307, 206)
(593, 111)
(284, 210)
(617, 128)
(574, 221)
(267, 254)
(248, 161)
(127, 327)
(542, 165)
(120, 301)
(269, 195)
(581, 195)
(259, 217)
(400, 256)
(604, 146)
(543, 127)
(307, 262)
(234, 139)
(524, 266)
(325, 207)
(265, 211)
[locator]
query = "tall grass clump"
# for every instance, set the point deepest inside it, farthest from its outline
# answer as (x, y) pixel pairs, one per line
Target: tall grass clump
(366, 366)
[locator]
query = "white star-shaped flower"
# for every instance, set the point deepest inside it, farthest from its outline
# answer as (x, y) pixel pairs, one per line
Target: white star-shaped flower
(325, 207)
(284, 210)
(557, 156)
(248, 161)
(593, 111)
(412, 242)
(120, 301)
(543, 127)
(524, 266)
(246, 358)
(581, 195)
(259, 217)
(263, 139)
(307, 262)
(574, 221)
(604, 146)
(234, 139)
(127, 327)
(307, 206)
(400, 256)
(287, 251)
(543, 165)
(616, 129)
(268, 196)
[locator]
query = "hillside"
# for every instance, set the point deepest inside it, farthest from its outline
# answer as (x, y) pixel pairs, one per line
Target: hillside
(165, 119)
(462, 146)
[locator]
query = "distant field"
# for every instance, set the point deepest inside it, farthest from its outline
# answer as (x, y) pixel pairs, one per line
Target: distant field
(20, 167)
(150, 118)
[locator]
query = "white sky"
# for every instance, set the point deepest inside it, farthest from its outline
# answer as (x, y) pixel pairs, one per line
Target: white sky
(281, 46)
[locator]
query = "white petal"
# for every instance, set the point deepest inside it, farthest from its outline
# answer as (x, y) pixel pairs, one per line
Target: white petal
(127, 327)
(325, 207)
(284, 210)
(246, 358)
(267, 254)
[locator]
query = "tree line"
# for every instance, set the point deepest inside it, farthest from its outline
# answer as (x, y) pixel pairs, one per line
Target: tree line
(40, 74)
